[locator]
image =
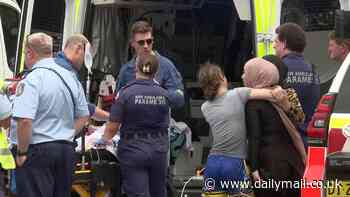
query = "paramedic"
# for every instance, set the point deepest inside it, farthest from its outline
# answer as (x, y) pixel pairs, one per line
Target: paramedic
(142, 110)
(72, 60)
(289, 45)
(168, 76)
(47, 115)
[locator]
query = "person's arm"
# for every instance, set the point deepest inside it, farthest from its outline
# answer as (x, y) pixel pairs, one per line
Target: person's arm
(25, 108)
(254, 127)
(5, 123)
(173, 84)
(79, 123)
(277, 95)
(176, 98)
(24, 135)
(117, 112)
(98, 113)
(121, 79)
(101, 115)
(5, 111)
(263, 93)
(111, 130)
(81, 111)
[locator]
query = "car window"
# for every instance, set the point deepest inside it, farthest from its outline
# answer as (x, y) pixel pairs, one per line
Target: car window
(342, 103)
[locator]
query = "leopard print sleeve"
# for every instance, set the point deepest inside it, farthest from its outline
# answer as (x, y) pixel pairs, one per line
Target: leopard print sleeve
(296, 113)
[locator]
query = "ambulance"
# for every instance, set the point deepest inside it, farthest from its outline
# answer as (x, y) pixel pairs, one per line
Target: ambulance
(9, 22)
(328, 160)
(189, 32)
(10, 13)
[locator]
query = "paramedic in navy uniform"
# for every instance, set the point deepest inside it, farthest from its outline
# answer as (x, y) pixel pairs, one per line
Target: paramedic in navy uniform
(48, 117)
(167, 76)
(141, 109)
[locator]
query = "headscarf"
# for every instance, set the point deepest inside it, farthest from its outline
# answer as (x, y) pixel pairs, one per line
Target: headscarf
(259, 73)
(264, 72)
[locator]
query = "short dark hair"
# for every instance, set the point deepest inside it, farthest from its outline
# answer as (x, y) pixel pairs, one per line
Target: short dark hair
(339, 41)
(280, 65)
(140, 27)
(209, 78)
(293, 35)
(148, 65)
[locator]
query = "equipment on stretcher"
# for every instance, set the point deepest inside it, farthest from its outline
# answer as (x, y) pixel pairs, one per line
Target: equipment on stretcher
(97, 171)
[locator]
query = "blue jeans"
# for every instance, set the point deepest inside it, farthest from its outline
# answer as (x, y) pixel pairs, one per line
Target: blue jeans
(223, 168)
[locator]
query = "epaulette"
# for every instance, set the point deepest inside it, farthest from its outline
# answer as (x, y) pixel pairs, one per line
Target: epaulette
(122, 89)
(156, 83)
(128, 85)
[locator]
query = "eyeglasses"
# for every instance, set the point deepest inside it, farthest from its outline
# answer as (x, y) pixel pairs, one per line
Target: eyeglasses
(143, 42)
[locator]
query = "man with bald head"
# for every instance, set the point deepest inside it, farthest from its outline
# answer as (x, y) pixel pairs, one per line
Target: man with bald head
(49, 107)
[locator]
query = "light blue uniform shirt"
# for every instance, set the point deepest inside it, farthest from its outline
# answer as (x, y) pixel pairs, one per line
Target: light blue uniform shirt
(5, 107)
(47, 101)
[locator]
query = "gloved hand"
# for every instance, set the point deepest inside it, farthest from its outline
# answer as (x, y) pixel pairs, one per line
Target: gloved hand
(90, 130)
(101, 143)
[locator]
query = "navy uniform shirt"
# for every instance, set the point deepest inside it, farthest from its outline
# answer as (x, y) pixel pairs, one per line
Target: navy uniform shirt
(141, 106)
(43, 97)
(168, 77)
(306, 83)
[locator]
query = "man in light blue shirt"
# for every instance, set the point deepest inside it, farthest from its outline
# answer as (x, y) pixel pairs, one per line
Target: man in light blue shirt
(50, 106)
(72, 61)
(5, 111)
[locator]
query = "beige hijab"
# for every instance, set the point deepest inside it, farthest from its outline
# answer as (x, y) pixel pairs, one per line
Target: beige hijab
(259, 73)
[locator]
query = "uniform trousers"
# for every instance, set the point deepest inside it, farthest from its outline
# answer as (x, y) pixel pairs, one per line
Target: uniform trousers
(144, 163)
(48, 170)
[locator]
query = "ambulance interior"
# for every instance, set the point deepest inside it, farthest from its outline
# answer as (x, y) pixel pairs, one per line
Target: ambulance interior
(193, 32)
(189, 32)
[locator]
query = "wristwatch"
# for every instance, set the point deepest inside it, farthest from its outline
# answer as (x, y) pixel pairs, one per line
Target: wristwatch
(20, 153)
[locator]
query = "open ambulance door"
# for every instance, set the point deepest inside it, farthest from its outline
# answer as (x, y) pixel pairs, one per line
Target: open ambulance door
(9, 21)
(24, 30)
(39, 16)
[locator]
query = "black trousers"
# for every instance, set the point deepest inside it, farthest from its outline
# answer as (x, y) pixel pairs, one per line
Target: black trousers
(48, 170)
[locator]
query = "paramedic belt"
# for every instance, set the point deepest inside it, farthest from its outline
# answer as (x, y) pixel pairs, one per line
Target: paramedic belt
(14, 146)
(143, 135)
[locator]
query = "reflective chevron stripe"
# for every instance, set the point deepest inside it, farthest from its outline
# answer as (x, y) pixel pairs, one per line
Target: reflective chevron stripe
(266, 20)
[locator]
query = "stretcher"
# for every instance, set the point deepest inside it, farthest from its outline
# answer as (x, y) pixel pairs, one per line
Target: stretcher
(97, 172)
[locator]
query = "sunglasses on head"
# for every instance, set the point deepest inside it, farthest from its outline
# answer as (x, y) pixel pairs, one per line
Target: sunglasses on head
(143, 42)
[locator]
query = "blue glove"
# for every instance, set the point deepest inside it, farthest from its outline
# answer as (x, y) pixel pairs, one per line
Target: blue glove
(101, 143)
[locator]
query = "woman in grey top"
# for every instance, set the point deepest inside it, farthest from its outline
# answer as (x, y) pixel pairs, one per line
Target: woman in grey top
(225, 112)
